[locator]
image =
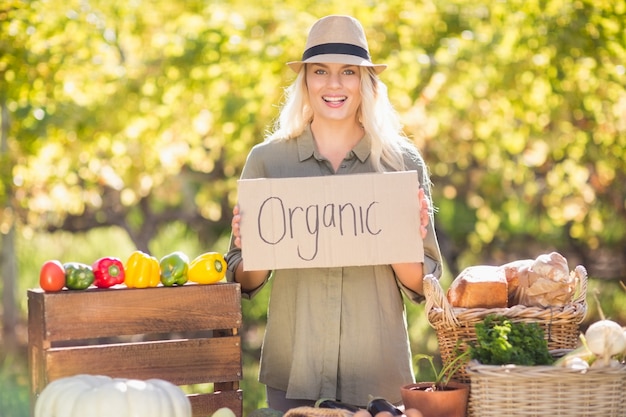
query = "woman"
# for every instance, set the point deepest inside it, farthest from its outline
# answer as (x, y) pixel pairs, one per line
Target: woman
(336, 333)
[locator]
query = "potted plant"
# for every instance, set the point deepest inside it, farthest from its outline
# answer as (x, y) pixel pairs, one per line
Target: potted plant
(442, 397)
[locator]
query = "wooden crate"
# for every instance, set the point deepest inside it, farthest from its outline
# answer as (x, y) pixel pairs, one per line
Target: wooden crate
(185, 335)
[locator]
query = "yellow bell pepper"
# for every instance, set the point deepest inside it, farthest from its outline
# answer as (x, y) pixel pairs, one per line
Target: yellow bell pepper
(142, 271)
(208, 268)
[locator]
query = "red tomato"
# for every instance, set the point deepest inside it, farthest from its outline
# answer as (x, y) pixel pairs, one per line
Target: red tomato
(52, 276)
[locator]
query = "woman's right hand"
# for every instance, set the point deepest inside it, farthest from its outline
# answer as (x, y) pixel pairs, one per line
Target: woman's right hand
(236, 226)
(249, 280)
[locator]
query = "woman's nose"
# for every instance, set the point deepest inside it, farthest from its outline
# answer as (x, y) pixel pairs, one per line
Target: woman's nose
(334, 79)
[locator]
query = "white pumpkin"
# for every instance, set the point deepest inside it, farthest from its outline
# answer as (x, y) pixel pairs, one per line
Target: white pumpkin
(102, 396)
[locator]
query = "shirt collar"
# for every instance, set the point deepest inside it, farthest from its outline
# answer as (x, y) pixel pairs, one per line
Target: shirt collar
(306, 146)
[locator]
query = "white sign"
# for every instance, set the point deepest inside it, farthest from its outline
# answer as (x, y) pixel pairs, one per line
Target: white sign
(328, 221)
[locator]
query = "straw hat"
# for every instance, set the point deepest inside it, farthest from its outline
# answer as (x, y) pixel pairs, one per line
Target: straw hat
(337, 39)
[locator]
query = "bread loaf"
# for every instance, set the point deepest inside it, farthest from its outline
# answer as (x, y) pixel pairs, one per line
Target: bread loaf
(541, 282)
(516, 273)
(480, 286)
(550, 282)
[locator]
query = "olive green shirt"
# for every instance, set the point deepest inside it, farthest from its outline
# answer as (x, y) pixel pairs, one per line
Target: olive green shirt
(338, 332)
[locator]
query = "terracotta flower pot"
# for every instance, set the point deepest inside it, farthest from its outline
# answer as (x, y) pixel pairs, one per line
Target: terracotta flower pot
(450, 402)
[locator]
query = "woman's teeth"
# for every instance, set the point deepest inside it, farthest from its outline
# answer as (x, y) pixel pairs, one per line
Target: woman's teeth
(334, 99)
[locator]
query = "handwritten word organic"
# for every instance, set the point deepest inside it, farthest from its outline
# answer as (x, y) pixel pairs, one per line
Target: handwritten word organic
(344, 219)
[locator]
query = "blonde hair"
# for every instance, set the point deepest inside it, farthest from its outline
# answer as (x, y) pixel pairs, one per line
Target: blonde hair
(376, 114)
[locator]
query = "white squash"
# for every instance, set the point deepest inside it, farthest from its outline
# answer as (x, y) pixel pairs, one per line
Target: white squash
(100, 396)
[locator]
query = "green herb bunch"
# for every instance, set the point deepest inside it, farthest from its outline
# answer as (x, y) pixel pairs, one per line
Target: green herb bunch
(499, 341)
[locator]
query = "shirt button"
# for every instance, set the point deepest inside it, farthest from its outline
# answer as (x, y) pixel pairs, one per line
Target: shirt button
(343, 165)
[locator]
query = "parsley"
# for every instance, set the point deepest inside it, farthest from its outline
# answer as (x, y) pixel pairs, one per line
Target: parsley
(501, 342)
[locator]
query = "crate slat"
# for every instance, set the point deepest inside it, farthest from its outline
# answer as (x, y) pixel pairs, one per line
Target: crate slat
(97, 313)
(204, 405)
(180, 362)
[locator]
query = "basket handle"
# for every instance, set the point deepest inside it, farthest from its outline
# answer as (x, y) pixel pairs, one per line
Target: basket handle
(580, 272)
(435, 298)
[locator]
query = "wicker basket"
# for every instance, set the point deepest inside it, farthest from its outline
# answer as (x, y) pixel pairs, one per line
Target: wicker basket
(317, 412)
(539, 391)
(455, 326)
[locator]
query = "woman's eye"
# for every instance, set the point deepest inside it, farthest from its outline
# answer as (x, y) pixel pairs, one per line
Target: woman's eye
(349, 72)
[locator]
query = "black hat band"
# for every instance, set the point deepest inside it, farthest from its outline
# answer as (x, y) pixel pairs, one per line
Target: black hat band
(336, 48)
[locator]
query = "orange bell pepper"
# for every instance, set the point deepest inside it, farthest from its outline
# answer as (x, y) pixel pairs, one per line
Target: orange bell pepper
(142, 271)
(208, 268)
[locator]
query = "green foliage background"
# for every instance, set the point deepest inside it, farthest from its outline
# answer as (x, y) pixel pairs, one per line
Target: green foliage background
(136, 113)
(125, 125)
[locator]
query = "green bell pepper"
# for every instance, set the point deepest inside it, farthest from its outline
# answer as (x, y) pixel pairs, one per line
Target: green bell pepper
(174, 269)
(78, 276)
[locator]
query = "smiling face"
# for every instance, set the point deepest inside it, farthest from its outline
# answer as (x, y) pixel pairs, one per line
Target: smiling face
(334, 91)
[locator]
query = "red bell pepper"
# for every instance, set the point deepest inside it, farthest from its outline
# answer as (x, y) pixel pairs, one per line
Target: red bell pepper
(108, 272)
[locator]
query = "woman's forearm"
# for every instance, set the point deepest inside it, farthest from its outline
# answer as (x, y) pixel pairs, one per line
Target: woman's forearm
(411, 275)
(250, 280)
